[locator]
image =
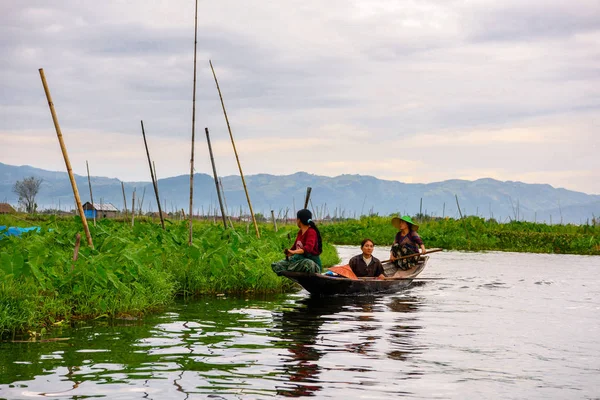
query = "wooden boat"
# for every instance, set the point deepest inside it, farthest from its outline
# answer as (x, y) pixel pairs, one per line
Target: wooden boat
(325, 285)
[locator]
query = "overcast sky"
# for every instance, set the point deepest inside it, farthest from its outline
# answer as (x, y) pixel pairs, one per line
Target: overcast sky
(415, 91)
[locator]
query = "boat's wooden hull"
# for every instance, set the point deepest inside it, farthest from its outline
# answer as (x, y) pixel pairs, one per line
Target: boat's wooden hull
(324, 285)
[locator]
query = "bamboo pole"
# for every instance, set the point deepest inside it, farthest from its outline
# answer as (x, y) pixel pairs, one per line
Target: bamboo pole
(363, 206)
(214, 168)
(274, 220)
(193, 128)
(307, 198)
(133, 207)
(235, 151)
(152, 175)
(124, 201)
(91, 195)
(461, 217)
(66, 157)
(225, 202)
(142, 202)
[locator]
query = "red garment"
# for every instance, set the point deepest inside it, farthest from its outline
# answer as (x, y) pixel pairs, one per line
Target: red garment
(308, 242)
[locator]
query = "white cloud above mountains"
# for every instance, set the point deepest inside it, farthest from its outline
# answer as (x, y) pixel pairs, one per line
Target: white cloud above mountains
(417, 91)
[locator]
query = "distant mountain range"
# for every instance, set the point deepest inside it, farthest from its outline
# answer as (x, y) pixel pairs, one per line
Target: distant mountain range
(349, 195)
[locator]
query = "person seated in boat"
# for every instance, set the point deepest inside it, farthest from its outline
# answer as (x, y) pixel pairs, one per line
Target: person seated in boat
(406, 242)
(304, 255)
(365, 265)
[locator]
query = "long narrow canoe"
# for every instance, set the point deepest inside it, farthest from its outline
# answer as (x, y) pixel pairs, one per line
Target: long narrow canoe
(325, 285)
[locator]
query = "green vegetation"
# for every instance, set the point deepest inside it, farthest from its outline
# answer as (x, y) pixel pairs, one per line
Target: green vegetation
(131, 270)
(135, 270)
(483, 234)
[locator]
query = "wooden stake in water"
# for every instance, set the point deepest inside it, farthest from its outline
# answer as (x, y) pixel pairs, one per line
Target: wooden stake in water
(212, 161)
(235, 151)
(193, 128)
(63, 148)
(91, 195)
(152, 175)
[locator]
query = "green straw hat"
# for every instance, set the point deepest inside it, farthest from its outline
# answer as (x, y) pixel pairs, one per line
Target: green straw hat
(411, 225)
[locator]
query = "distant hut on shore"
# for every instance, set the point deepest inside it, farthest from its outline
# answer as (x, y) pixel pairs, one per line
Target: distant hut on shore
(105, 210)
(6, 208)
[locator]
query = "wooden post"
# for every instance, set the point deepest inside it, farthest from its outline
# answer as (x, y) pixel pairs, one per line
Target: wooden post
(124, 200)
(66, 157)
(152, 175)
(193, 128)
(421, 208)
(274, 220)
(212, 161)
(461, 217)
(133, 207)
(76, 250)
(91, 195)
(235, 151)
(307, 198)
(363, 206)
(225, 202)
(142, 201)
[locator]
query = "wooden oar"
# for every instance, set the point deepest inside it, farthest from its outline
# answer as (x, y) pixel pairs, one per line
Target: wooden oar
(389, 278)
(414, 255)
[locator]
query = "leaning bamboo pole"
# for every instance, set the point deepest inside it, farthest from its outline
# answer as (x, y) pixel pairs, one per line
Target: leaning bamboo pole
(152, 173)
(212, 161)
(193, 128)
(235, 151)
(66, 157)
(91, 195)
(307, 198)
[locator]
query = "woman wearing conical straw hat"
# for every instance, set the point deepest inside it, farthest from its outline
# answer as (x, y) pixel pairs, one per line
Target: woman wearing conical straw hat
(407, 242)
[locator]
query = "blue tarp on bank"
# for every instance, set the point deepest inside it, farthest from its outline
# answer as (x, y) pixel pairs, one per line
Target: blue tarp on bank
(16, 231)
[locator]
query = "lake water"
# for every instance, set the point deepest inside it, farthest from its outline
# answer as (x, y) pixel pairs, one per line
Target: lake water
(497, 326)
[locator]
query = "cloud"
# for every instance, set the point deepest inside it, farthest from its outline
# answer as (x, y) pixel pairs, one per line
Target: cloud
(418, 90)
(532, 20)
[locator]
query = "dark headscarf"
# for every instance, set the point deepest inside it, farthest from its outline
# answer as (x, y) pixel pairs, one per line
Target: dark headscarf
(305, 216)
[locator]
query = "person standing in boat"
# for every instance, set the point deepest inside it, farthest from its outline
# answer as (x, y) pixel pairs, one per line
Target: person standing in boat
(407, 242)
(303, 256)
(365, 264)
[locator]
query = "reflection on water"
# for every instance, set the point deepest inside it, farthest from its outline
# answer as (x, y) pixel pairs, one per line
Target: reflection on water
(487, 330)
(316, 328)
